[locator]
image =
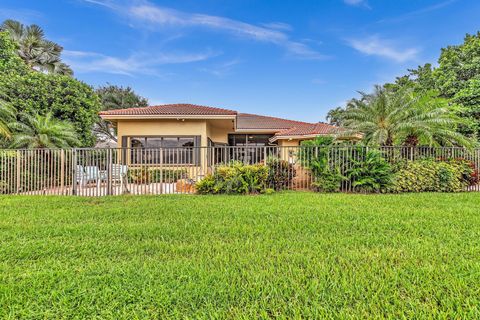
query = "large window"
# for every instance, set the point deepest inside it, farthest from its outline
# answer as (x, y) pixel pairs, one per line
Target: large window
(166, 150)
(249, 139)
(250, 147)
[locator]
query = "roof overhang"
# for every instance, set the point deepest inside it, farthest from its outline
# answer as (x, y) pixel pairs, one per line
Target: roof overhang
(173, 116)
(240, 130)
(298, 137)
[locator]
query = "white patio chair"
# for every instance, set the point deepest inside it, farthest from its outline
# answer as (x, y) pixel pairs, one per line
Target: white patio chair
(80, 176)
(119, 174)
(93, 174)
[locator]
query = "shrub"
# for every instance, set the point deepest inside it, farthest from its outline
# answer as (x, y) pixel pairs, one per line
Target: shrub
(310, 150)
(329, 180)
(470, 173)
(280, 173)
(371, 174)
(432, 176)
(237, 178)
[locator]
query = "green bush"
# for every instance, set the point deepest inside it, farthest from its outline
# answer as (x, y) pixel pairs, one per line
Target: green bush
(280, 173)
(328, 180)
(34, 92)
(371, 173)
(432, 176)
(236, 178)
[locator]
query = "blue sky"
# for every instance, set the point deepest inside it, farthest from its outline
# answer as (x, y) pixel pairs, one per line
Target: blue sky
(293, 59)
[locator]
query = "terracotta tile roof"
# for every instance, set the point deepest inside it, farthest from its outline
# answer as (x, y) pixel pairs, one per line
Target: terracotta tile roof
(254, 121)
(171, 109)
(311, 129)
(245, 121)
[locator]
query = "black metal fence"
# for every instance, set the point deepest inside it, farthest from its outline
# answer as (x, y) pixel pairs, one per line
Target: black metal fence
(100, 172)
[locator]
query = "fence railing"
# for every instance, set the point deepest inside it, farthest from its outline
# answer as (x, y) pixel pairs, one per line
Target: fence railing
(100, 172)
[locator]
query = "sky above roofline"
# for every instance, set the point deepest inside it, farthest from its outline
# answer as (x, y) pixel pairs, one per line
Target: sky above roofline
(289, 59)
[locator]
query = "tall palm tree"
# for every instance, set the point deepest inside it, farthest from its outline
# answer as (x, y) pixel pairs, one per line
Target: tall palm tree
(388, 117)
(34, 49)
(36, 131)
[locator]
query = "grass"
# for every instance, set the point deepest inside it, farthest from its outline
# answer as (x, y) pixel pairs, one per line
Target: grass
(291, 255)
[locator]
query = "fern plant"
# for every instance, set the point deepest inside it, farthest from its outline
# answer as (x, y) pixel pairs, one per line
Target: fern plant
(371, 174)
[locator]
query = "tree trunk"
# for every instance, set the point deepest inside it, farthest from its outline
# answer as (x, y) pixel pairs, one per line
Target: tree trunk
(411, 141)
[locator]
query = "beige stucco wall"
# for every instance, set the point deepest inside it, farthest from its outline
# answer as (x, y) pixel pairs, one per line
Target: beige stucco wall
(216, 130)
(289, 143)
(162, 128)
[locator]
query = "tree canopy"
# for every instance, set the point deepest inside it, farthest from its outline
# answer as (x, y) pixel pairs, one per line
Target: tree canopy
(32, 92)
(387, 117)
(456, 79)
(32, 46)
(115, 97)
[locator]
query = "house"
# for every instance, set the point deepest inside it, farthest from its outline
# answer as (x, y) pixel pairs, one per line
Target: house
(170, 135)
(187, 125)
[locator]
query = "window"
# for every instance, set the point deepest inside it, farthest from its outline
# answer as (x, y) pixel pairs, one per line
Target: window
(250, 147)
(249, 139)
(166, 150)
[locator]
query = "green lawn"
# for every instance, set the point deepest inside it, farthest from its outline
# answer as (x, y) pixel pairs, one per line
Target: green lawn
(293, 255)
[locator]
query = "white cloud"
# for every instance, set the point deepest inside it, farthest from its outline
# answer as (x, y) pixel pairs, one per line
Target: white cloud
(147, 14)
(375, 46)
(358, 3)
(419, 12)
(138, 63)
(278, 26)
(23, 15)
(353, 2)
(222, 69)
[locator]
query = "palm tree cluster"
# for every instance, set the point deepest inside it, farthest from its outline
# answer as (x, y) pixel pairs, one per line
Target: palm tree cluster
(402, 117)
(34, 131)
(37, 52)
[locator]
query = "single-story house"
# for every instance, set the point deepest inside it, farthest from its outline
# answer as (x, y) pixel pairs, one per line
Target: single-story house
(180, 125)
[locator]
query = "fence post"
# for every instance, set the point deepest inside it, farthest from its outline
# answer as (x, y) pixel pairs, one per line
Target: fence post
(18, 171)
(161, 170)
(265, 154)
(62, 170)
(109, 172)
(74, 171)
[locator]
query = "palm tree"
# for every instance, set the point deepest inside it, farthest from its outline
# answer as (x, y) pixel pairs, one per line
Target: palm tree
(7, 116)
(388, 117)
(34, 49)
(36, 131)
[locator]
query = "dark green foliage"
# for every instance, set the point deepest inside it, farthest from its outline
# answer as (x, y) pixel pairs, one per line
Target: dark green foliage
(327, 179)
(371, 173)
(316, 156)
(34, 49)
(115, 97)
(236, 178)
(280, 173)
(429, 175)
(456, 79)
(33, 92)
